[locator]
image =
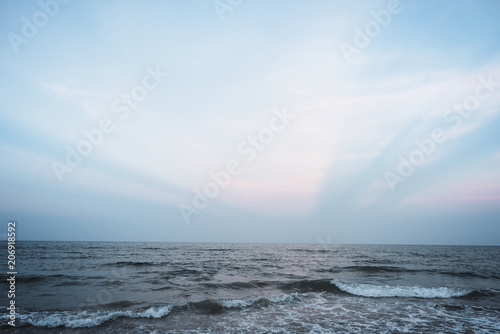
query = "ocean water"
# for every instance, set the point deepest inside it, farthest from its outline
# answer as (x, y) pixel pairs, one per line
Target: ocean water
(97, 287)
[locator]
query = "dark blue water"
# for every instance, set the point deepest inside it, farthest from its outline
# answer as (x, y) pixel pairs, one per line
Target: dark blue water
(95, 287)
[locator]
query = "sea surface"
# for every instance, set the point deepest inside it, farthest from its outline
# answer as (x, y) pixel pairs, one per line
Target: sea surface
(116, 287)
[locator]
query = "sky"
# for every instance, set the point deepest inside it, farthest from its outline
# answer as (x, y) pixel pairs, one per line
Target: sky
(251, 121)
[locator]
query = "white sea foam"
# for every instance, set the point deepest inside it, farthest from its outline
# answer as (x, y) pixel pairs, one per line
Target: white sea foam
(236, 303)
(87, 319)
(154, 312)
(370, 290)
(240, 303)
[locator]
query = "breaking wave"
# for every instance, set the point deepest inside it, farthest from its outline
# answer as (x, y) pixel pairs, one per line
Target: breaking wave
(370, 290)
(82, 319)
(85, 319)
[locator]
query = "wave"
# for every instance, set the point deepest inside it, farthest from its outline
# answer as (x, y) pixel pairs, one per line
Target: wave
(476, 294)
(292, 292)
(86, 319)
(218, 306)
(370, 290)
(261, 301)
(323, 285)
(377, 291)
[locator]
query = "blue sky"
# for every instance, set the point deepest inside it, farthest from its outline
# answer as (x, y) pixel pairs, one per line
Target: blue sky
(325, 175)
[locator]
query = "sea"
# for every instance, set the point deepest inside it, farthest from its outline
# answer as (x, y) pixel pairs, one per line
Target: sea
(145, 287)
